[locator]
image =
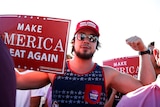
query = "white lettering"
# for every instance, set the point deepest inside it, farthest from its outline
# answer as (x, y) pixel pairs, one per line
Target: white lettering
(59, 45)
(88, 24)
(30, 41)
(30, 28)
(8, 40)
(130, 70)
(30, 55)
(20, 40)
(50, 40)
(17, 53)
(27, 28)
(20, 26)
(43, 57)
(123, 63)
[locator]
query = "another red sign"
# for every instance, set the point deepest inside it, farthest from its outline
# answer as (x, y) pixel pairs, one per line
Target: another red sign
(128, 65)
(35, 42)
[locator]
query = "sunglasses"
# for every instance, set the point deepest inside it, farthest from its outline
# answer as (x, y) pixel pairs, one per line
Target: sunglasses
(82, 36)
(151, 52)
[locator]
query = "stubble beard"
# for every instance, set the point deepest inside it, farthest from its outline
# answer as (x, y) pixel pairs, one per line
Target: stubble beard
(84, 55)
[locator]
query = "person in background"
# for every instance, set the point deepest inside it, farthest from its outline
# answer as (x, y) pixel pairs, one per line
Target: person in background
(38, 96)
(7, 78)
(151, 47)
(110, 102)
(48, 101)
(31, 97)
(84, 82)
(149, 95)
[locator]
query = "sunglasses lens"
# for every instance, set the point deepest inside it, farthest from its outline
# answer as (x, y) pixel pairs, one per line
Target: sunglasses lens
(92, 38)
(82, 36)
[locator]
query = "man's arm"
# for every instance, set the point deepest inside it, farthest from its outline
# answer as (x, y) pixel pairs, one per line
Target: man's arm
(125, 83)
(110, 102)
(36, 95)
(31, 80)
(146, 71)
(35, 101)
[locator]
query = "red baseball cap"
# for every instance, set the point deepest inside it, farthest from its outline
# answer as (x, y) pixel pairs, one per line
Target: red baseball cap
(88, 24)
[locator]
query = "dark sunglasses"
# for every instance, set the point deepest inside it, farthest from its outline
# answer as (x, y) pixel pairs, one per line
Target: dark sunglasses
(82, 36)
(150, 51)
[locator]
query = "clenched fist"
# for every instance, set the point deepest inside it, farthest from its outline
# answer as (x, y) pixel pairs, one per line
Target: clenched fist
(136, 43)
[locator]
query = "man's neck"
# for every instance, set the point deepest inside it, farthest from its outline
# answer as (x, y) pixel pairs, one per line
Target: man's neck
(80, 65)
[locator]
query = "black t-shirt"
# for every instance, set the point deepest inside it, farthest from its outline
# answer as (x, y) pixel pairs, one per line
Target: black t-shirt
(7, 78)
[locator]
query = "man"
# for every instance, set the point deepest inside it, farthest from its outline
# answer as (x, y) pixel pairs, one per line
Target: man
(7, 78)
(85, 83)
(149, 95)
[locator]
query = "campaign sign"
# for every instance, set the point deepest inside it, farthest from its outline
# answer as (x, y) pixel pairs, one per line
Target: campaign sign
(36, 42)
(128, 65)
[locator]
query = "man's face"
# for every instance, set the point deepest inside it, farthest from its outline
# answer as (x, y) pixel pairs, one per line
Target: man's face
(156, 63)
(155, 57)
(85, 43)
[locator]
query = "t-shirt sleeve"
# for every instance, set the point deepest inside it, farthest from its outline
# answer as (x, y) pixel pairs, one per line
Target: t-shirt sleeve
(37, 92)
(146, 96)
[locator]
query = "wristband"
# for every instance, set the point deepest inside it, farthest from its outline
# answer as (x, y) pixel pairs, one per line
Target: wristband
(145, 52)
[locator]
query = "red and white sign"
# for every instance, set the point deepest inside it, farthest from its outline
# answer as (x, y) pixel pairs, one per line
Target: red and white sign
(128, 65)
(35, 42)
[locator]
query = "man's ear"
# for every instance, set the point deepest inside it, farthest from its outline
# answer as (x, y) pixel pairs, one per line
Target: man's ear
(72, 41)
(156, 53)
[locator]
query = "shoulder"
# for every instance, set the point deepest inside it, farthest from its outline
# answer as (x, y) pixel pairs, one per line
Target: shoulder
(110, 73)
(109, 69)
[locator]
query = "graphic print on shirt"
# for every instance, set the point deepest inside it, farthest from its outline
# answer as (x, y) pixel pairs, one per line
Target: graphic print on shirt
(92, 93)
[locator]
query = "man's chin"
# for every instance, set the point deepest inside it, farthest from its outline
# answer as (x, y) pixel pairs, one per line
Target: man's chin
(85, 56)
